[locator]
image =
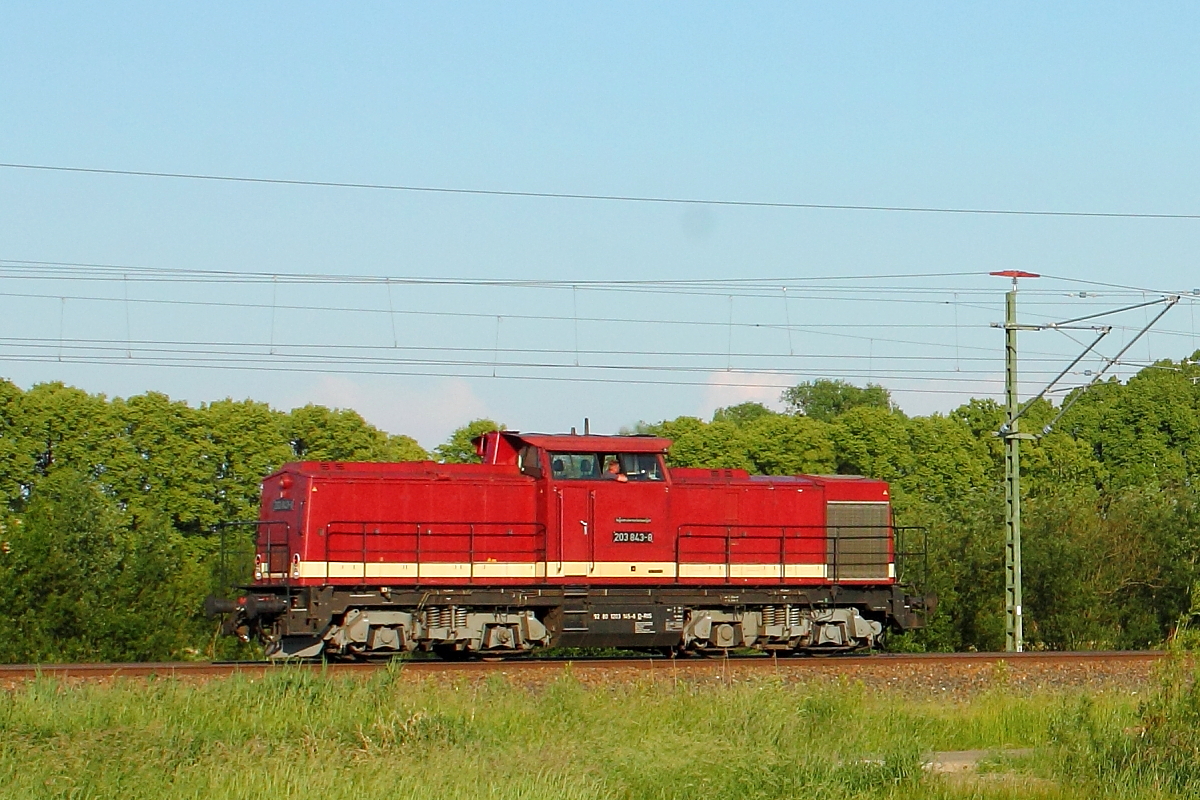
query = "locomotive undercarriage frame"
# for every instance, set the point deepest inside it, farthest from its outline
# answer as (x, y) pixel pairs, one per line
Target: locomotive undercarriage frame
(463, 621)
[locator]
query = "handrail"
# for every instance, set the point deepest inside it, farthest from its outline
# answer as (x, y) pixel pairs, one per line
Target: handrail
(919, 553)
(534, 530)
(591, 531)
(421, 535)
(833, 535)
(269, 544)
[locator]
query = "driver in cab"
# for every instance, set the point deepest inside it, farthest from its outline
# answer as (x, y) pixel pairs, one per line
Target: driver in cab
(613, 472)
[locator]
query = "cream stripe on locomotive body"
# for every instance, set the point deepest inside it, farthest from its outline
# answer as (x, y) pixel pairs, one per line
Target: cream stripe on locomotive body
(575, 540)
(354, 571)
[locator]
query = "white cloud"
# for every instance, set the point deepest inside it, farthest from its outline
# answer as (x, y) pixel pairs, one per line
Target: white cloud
(728, 389)
(428, 411)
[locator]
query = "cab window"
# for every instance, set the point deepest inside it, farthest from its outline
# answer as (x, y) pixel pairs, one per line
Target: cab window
(640, 466)
(606, 466)
(574, 466)
(529, 461)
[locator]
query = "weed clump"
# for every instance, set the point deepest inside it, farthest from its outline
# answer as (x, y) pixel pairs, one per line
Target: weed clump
(1157, 748)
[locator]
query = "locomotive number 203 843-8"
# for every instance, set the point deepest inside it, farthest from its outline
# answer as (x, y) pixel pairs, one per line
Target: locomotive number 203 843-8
(634, 537)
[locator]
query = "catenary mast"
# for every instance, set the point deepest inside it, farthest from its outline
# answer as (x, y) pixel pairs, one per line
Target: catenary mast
(1014, 641)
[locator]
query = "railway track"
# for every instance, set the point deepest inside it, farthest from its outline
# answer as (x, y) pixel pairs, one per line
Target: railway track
(797, 667)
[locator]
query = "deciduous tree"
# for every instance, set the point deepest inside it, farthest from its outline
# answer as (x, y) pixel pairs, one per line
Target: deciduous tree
(459, 449)
(824, 399)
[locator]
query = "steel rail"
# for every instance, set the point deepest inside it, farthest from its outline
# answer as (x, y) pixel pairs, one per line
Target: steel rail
(183, 669)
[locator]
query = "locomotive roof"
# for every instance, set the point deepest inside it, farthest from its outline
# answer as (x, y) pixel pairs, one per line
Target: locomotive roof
(592, 443)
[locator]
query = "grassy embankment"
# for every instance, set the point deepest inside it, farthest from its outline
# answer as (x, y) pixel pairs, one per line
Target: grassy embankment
(297, 734)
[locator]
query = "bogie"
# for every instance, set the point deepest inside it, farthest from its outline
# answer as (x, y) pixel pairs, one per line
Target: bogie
(458, 631)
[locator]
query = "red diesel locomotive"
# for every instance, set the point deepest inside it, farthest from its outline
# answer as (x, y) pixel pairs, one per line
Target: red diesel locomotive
(571, 541)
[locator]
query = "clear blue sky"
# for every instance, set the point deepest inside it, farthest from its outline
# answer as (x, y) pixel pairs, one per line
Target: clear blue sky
(1090, 107)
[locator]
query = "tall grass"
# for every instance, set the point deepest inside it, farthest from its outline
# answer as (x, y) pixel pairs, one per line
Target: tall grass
(298, 734)
(1153, 751)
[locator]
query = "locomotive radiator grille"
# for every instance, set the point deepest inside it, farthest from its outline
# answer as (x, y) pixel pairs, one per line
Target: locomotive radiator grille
(858, 539)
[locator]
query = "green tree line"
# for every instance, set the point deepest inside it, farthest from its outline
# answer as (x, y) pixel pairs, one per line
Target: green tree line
(1111, 532)
(111, 512)
(108, 543)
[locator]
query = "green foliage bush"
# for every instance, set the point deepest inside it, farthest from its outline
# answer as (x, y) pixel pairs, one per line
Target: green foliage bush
(110, 509)
(84, 583)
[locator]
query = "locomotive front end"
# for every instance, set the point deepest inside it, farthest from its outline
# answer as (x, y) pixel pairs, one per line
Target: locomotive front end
(255, 615)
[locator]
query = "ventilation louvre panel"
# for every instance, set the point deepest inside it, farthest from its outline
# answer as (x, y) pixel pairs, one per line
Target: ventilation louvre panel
(858, 538)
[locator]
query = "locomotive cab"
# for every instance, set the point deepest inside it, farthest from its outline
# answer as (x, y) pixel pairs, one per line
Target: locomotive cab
(607, 498)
